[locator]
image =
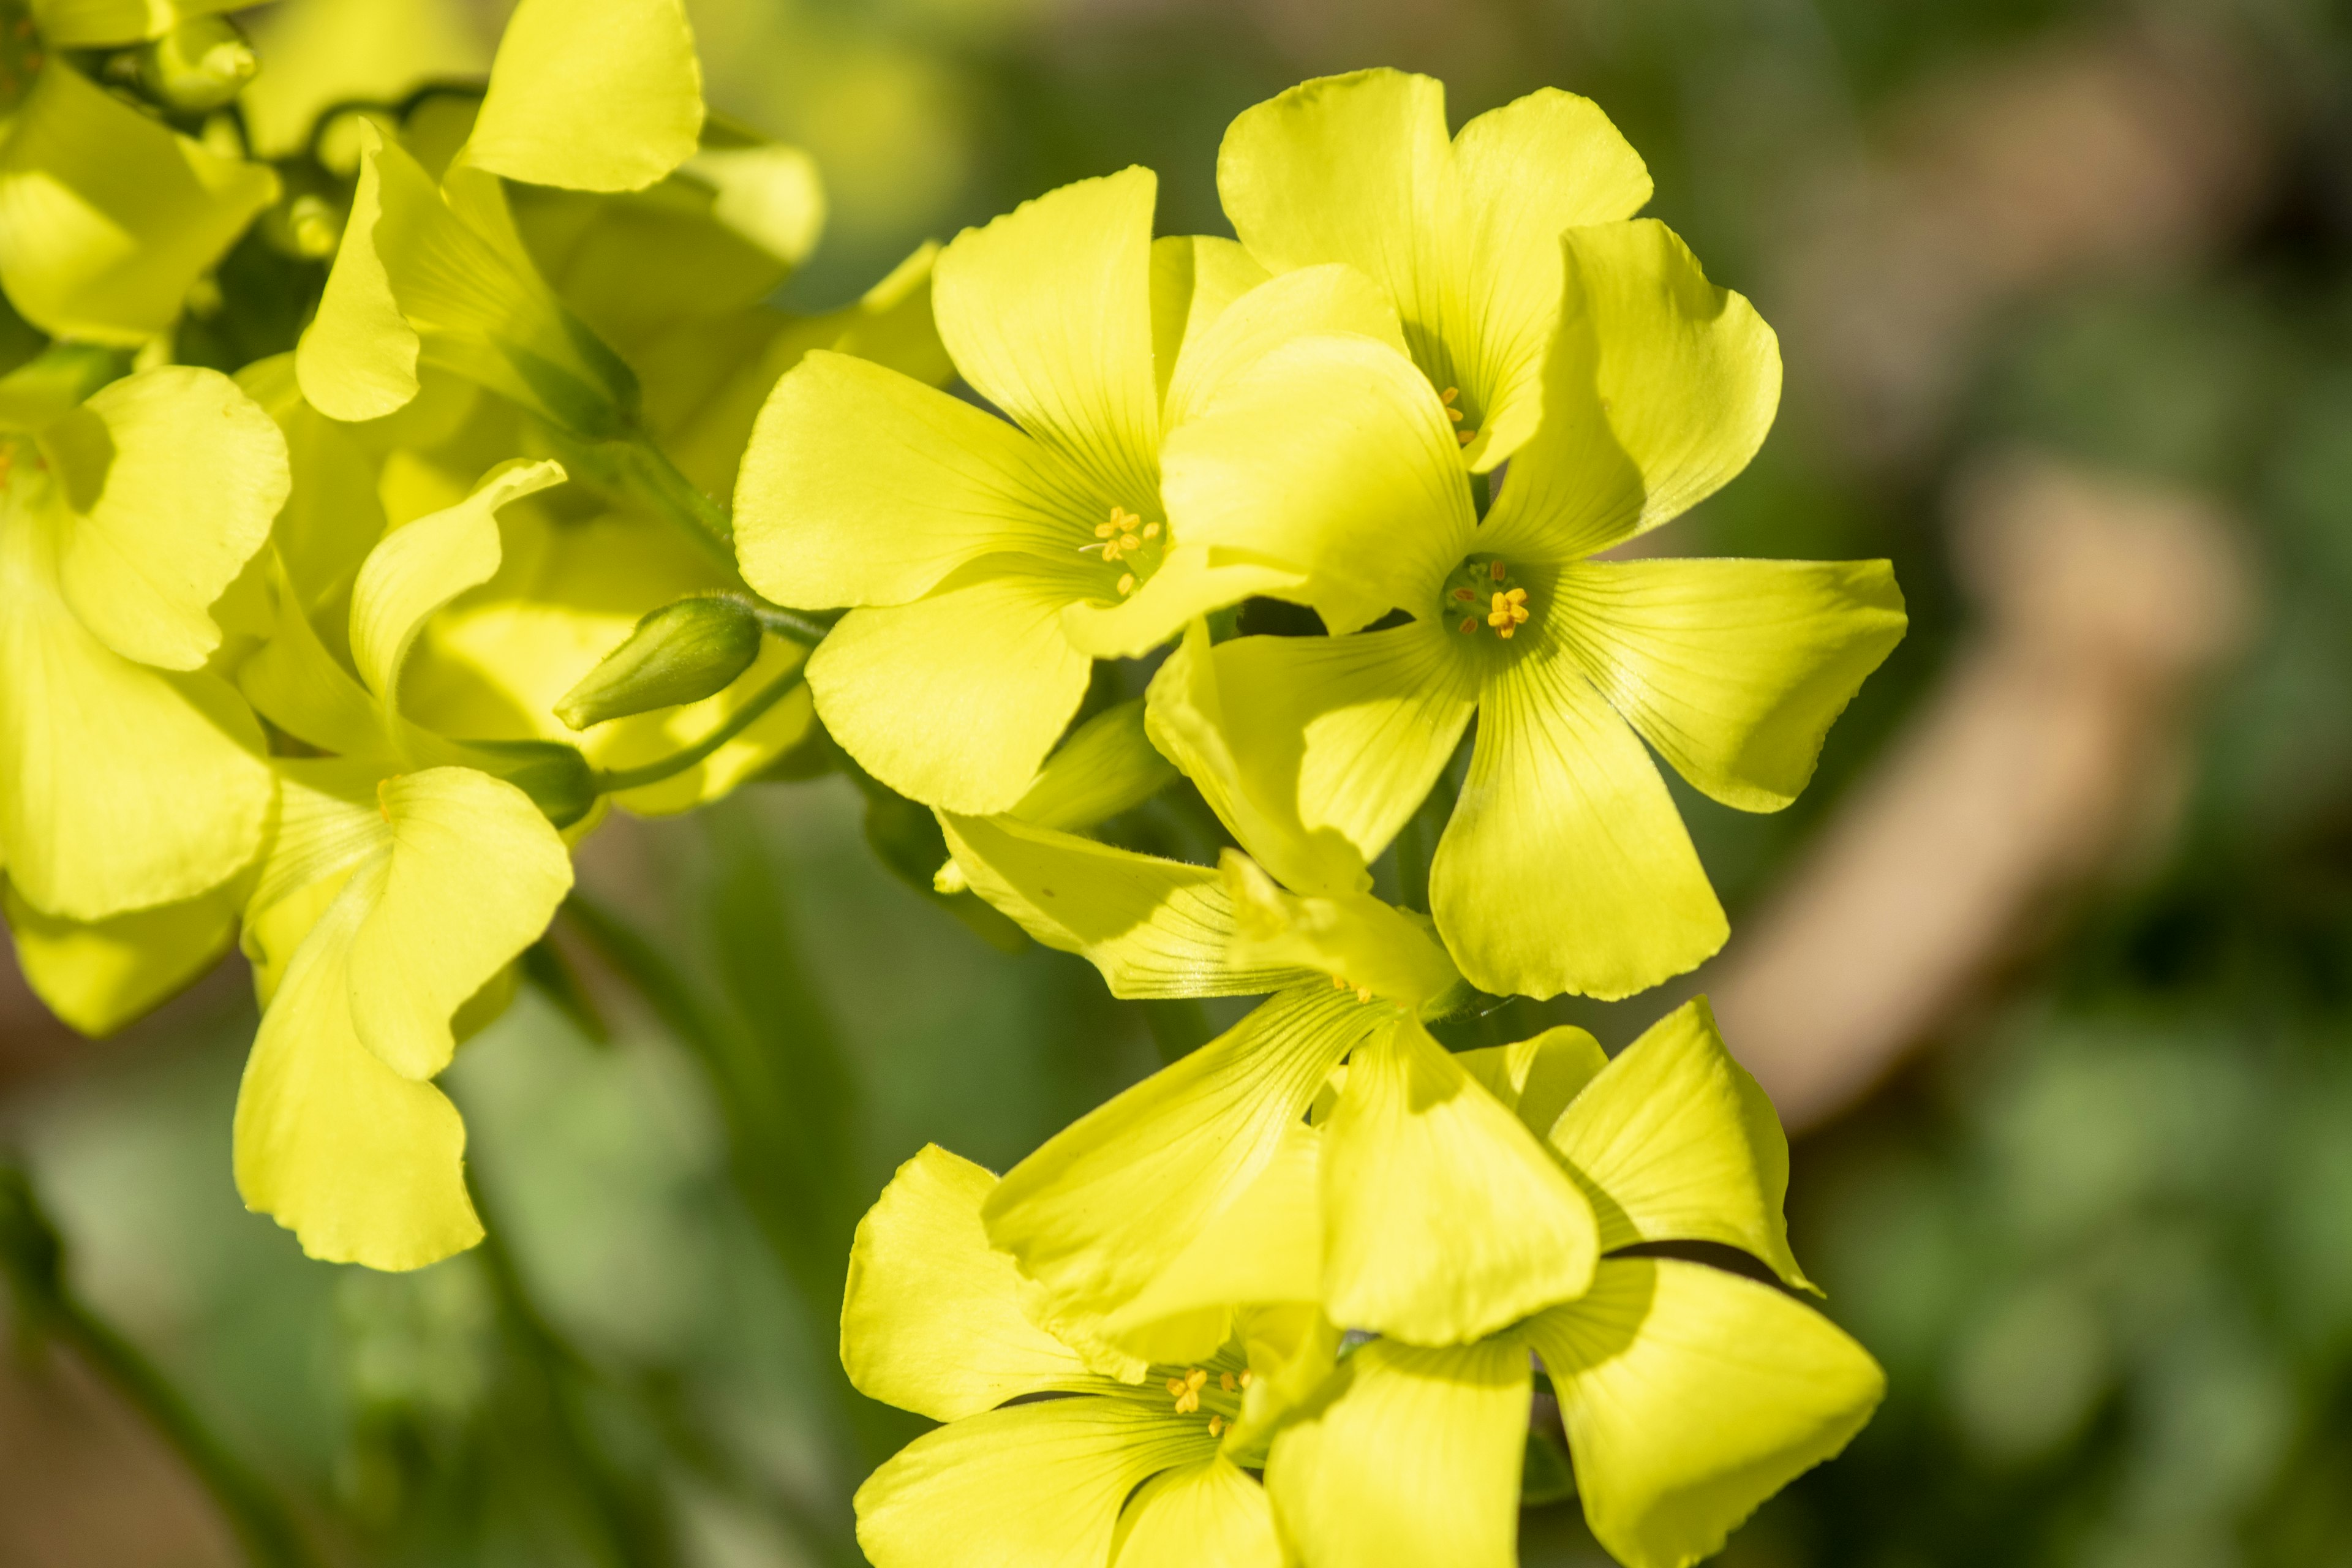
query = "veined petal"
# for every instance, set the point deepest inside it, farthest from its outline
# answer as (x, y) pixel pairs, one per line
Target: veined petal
(1691, 1395)
(1197, 1514)
(1414, 1461)
(106, 24)
(1047, 312)
(1348, 733)
(1330, 456)
(1549, 162)
(1566, 867)
(99, 976)
(1447, 1220)
(1111, 1201)
(593, 95)
(1106, 766)
(931, 1321)
(1733, 670)
(362, 1164)
(1153, 927)
(955, 699)
(1193, 278)
(422, 566)
(1310, 302)
(331, 52)
(1658, 389)
(295, 683)
(1360, 941)
(120, 786)
(357, 360)
(473, 875)
(1675, 1142)
(1037, 1486)
(172, 477)
(1265, 1248)
(1191, 581)
(1538, 1078)
(108, 217)
(862, 486)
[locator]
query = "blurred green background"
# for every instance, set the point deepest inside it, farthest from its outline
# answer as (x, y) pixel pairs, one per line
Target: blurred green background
(2065, 295)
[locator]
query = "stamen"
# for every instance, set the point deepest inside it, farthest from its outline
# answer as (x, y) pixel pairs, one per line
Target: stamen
(1248, 1377)
(1151, 530)
(1216, 1425)
(1448, 395)
(1187, 1390)
(1126, 585)
(1463, 438)
(1337, 983)
(1470, 624)
(1225, 1381)
(1363, 992)
(1105, 530)
(1497, 571)
(1467, 595)
(1509, 612)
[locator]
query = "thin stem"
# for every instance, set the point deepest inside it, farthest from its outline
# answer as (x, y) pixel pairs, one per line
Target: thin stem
(790, 624)
(658, 480)
(34, 1258)
(613, 781)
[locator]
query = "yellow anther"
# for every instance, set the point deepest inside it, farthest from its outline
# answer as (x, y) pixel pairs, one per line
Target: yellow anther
(1466, 436)
(1448, 395)
(1187, 1390)
(1128, 542)
(1469, 623)
(1509, 612)
(1497, 571)
(1248, 1377)
(1216, 1425)
(1337, 983)
(1175, 1385)
(1105, 530)
(1126, 585)
(1225, 1381)
(1467, 595)
(1363, 992)
(1151, 530)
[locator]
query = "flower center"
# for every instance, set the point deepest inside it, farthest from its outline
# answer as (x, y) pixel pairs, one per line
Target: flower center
(1187, 1389)
(1132, 545)
(1481, 596)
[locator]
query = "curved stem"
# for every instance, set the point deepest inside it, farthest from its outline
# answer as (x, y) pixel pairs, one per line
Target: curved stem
(615, 780)
(657, 480)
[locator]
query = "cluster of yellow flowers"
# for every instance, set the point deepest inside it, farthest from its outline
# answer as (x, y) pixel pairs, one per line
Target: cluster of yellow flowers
(322, 658)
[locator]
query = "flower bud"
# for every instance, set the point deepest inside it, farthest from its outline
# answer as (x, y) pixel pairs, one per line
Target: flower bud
(556, 776)
(198, 66)
(683, 652)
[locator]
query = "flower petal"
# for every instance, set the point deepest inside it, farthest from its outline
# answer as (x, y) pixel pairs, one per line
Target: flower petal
(1153, 927)
(1733, 670)
(1193, 278)
(862, 486)
(931, 1321)
(120, 786)
(593, 95)
(1447, 1219)
(1659, 389)
(1675, 1142)
(109, 23)
(110, 217)
(955, 699)
(473, 875)
(1691, 1395)
(100, 976)
(1359, 940)
(1415, 1460)
(1208, 1512)
(1047, 312)
(1310, 302)
(1037, 1486)
(1566, 867)
(362, 1164)
(1112, 1200)
(1538, 1078)
(174, 476)
(1330, 456)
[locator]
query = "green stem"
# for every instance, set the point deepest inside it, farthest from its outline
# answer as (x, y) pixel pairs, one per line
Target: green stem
(613, 781)
(34, 1258)
(657, 481)
(790, 624)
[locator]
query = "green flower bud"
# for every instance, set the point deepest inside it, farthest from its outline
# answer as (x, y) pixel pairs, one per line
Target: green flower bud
(198, 66)
(683, 652)
(556, 776)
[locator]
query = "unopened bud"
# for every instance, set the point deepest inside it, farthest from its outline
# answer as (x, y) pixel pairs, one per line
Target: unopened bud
(556, 776)
(198, 66)
(683, 652)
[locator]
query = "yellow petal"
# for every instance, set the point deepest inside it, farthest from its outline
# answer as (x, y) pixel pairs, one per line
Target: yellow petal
(174, 476)
(1206, 1513)
(1658, 389)
(1566, 867)
(1038, 1486)
(108, 217)
(1109, 1202)
(1691, 1395)
(596, 95)
(1311, 301)
(1733, 670)
(1153, 927)
(1447, 1220)
(1193, 278)
(362, 1164)
(1414, 1461)
(99, 976)
(102, 24)
(120, 786)
(862, 486)
(1047, 312)
(1675, 1142)
(323, 53)
(955, 699)
(1107, 765)
(473, 875)
(932, 1321)
(1538, 1078)
(330, 822)
(358, 358)
(1352, 937)
(296, 684)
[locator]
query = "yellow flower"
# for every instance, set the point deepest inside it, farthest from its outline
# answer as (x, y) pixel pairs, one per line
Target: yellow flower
(1463, 234)
(1148, 1472)
(132, 785)
(1689, 1395)
(1565, 866)
(988, 560)
(107, 216)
